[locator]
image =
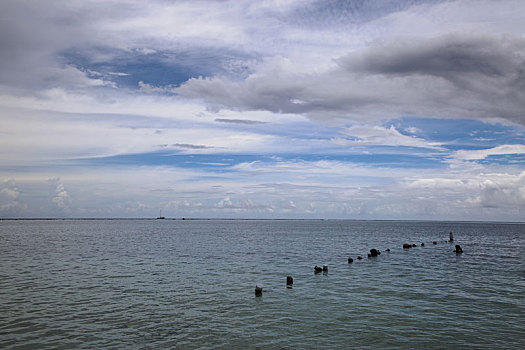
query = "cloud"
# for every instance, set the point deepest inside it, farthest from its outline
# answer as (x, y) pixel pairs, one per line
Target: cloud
(500, 191)
(379, 135)
(323, 172)
(484, 153)
(450, 57)
(239, 121)
(272, 189)
(412, 130)
(450, 76)
(119, 74)
(68, 136)
(453, 75)
(307, 31)
(31, 54)
(151, 89)
(190, 146)
(59, 196)
(10, 204)
(225, 203)
(503, 191)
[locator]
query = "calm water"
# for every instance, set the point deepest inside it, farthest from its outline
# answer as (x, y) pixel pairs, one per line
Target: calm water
(128, 284)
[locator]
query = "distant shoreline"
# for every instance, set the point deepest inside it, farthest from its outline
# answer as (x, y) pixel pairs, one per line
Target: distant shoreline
(256, 219)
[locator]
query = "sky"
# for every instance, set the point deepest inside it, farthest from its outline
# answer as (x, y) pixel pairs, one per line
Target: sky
(263, 109)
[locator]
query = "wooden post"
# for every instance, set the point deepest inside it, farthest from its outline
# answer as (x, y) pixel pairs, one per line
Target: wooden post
(289, 280)
(258, 291)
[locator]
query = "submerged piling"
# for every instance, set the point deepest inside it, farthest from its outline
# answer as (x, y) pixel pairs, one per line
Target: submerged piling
(451, 237)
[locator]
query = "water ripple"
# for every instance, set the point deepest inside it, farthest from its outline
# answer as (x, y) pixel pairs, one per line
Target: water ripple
(190, 284)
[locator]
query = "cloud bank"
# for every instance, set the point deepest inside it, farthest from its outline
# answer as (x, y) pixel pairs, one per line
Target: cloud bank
(451, 76)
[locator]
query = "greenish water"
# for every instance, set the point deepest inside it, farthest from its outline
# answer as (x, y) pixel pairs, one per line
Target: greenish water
(132, 284)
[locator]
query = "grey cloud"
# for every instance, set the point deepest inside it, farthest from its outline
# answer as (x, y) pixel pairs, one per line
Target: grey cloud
(239, 121)
(446, 57)
(34, 32)
(62, 43)
(453, 76)
(190, 146)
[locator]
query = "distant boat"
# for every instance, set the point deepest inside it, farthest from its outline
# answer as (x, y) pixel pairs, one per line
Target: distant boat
(160, 217)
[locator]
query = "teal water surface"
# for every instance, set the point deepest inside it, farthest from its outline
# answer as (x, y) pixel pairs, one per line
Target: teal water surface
(150, 284)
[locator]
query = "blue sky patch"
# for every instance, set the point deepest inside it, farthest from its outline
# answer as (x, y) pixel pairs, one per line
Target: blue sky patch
(160, 68)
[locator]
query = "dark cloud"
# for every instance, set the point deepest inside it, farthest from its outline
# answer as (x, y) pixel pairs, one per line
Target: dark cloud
(484, 75)
(190, 146)
(447, 57)
(239, 121)
(453, 76)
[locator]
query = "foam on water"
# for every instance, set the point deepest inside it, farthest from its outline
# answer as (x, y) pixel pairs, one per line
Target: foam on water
(190, 284)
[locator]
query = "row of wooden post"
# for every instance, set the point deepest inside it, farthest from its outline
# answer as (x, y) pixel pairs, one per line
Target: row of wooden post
(373, 253)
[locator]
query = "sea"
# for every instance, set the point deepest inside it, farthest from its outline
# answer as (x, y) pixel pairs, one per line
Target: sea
(190, 284)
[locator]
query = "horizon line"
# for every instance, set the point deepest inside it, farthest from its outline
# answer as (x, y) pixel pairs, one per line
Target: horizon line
(254, 219)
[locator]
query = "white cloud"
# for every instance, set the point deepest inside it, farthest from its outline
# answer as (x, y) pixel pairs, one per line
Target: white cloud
(59, 196)
(225, 203)
(501, 191)
(467, 155)
(278, 189)
(63, 136)
(119, 74)
(413, 130)
(10, 205)
(379, 135)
